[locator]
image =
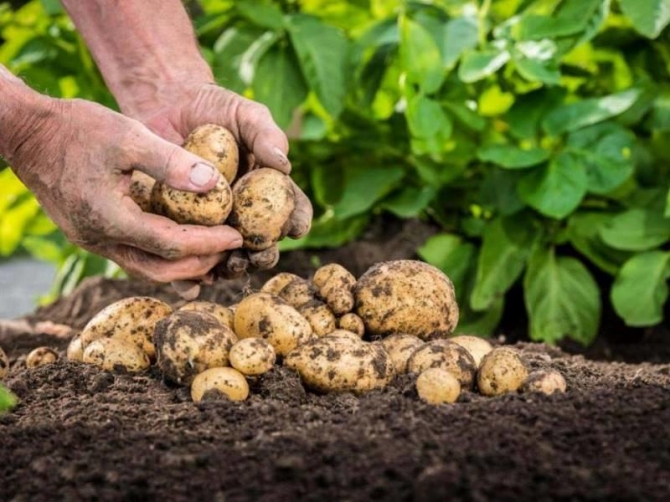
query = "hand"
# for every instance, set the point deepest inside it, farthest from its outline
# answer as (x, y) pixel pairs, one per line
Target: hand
(78, 158)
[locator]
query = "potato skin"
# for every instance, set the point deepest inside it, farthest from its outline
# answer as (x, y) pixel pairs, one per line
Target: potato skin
(223, 314)
(252, 356)
(216, 382)
(501, 371)
(275, 284)
(400, 348)
(335, 284)
(190, 342)
(75, 349)
(188, 208)
(446, 355)
(406, 296)
(438, 386)
(263, 203)
(4, 364)
(141, 186)
(132, 319)
(298, 292)
(351, 322)
(340, 363)
(476, 346)
(544, 381)
(319, 316)
(216, 145)
(41, 356)
(266, 316)
(116, 355)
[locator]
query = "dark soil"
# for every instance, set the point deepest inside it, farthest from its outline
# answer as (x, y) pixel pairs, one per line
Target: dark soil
(82, 434)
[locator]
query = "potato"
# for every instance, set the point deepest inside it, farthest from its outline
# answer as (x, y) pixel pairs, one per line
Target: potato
(446, 355)
(263, 203)
(298, 292)
(545, 381)
(438, 386)
(188, 208)
(341, 363)
(276, 283)
(75, 349)
(351, 322)
(223, 314)
(188, 343)
(216, 382)
(335, 284)
(501, 371)
(262, 315)
(476, 346)
(252, 356)
(400, 348)
(116, 355)
(216, 145)
(264, 260)
(406, 296)
(131, 319)
(343, 333)
(141, 186)
(4, 364)
(319, 316)
(41, 356)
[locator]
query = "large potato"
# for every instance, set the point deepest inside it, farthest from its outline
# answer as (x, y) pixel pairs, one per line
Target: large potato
(335, 284)
(446, 355)
(75, 349)
(116, 355)
(188, 208)
(252, 356)
(406, 296)
(216, 145)
(223, 314)
(476, 346)
(263, 203)
(216, 382)
(188, 343)
(400, 348)
(4, 364)
(341, 363)
(319, 317)
(131, 319)
(262, 315)
(501, 371)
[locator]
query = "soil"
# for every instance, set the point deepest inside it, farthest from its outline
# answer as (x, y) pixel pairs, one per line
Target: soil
(83, 434)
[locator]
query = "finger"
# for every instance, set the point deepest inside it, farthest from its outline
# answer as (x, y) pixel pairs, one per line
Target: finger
(187, 290)
(263, 136)
(300, 220)
(266, 259)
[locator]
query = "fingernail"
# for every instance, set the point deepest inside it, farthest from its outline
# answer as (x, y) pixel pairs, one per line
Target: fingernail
(237, 242)
(201, 174)
(281, 155)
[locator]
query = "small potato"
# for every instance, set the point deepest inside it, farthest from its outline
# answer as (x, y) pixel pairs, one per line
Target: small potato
(216, 145)
(262, 315)
(276, 283)
(476, 346)
(41, 356)
(188, 208)
(298, 292)
(446, 355)
(343, 333)
(75, 349)
(438, 386)
(340, 363)
(406, 296)
(223, 314)
(116, 355)
(545, 381)
(264, 260)
(319, 317)
(188, 343)
(351, 322)
(263, 203)
(400, 348)
(4, 364)
(252, 356)
(216, 382)
(335, 284)
(140, 190)
(501, 371)
(131, 319)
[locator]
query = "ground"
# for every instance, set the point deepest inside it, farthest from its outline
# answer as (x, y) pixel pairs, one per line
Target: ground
(80, 433)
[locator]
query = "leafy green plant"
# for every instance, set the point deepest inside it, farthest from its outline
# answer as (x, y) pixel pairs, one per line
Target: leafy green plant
(7, 399)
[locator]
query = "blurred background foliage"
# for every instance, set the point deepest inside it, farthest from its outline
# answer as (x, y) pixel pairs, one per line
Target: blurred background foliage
(534, 133)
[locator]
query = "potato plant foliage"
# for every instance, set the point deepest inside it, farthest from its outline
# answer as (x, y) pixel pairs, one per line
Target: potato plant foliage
(534, 132)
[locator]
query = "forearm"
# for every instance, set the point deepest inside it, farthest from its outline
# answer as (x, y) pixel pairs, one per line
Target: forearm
(143, 48)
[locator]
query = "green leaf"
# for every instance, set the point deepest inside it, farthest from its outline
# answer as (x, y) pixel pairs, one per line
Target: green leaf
(249, 60)
(328, 232)
(505, 247)
(364, 187)
(322, 51)
(569, 18)
(13, 224)
(562, 299)
(427, 121)
(556, 189)
(480, 323)
(410, 201)
(420, 56)
(327, 184)
(583, 232)
(7, 399)
(640, 290)
(477, 65)
(498, 190)
(606, 152)
(636, 230)
(229, 49)
(525, 116)
(512, 157)
(667, 205)
(453, 256)
(42, 248)
(572, 116)
(262, 14)
(279, 84)
(460, 35)
(649, 17)
(537, 71)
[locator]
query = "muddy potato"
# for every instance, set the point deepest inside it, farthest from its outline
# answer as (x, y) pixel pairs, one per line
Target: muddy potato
(545, 381)
(446, 355)
(252, 356)
(216, 145)
(75, 349)
(275, 284)
(343, 333)
(351, 322)
(319, 316)
(263, 203)
(501, 371)
(406, 296)
(438, 386)
(41, 356)
(341, 363)
(188, 208)
(298, 292)
(141, 186)
(4, 364)
(262, 315)
(217, 382)
(335, 284)
(400, 348)
(476, 346)
(190, 342)
(116, 355)
(223, 314)
(131, 319)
